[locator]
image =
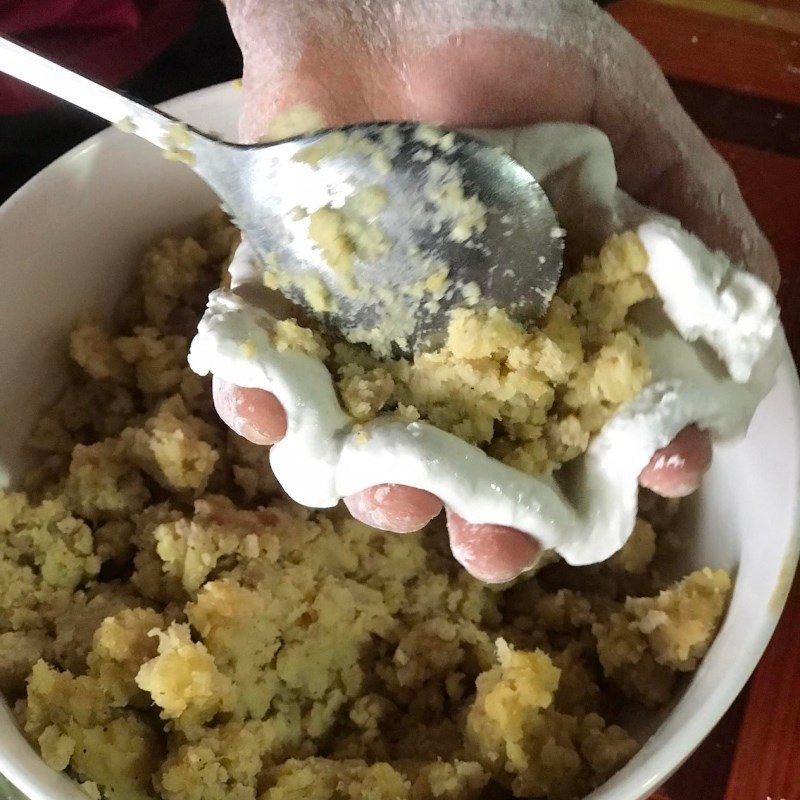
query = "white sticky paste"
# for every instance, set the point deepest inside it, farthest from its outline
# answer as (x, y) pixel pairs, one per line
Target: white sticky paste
(713, 342)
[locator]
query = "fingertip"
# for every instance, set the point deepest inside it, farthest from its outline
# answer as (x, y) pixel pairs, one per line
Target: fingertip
(676, 470)
(395, 508)
(255, 414)
(491, 553)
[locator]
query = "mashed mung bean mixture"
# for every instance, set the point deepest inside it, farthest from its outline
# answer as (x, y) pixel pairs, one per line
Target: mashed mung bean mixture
(172, 626)
(531, 398)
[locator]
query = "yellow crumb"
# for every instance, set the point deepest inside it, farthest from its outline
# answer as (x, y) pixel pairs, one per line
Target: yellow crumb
(330, 144)
(350, 232)
(437, 281)
(248, 348)
(471, 293)
(466, 215)
(361, 435)
(295, 121)
(126, 125)
(328, 228)
(289, 336)
(183, 679)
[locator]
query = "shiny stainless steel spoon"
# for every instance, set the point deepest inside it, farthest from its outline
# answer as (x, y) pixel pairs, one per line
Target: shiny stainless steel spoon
(415, 221)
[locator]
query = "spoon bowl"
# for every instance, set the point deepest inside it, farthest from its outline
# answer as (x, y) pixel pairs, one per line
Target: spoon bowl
(381, 230)
(378, 230)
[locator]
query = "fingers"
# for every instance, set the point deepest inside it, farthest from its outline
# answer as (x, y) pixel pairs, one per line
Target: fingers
(497, 554)
(491, 553)
(259, 417)
(390, 507)
(252, 413)
(677, 469)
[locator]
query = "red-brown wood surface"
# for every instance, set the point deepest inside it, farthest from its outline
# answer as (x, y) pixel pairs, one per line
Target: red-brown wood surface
(730, 53)
(728, 56)
(771, 185)
(767, 760)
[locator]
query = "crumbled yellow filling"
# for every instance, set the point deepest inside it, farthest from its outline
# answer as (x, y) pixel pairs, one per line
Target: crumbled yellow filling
(183, 679)
(532, 398)
(330, 144)
(328, 228)
(515, 728)
(177, 144)
(644, 644)
(466, 215)
(316, 293)
(349, 232)
(294, 121)
(287, 335)
(170, 627)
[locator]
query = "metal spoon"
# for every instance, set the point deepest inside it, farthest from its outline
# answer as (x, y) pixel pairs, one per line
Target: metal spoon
(411, 221)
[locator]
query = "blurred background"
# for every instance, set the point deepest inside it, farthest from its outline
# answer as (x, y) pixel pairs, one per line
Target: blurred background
(152, 49)
(163, 49)
(734, 65)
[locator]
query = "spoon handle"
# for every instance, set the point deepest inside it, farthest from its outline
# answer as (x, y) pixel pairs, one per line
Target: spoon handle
(25, 65)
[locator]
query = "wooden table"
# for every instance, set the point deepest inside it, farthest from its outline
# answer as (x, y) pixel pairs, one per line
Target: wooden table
(735, 66)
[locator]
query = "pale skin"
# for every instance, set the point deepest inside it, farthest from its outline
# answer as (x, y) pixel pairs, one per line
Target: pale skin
(353, 66)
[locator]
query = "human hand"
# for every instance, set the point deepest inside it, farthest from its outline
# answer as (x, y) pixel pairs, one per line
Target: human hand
(466, 64)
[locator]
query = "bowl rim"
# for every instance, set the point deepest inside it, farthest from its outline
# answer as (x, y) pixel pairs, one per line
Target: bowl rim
(658, 768)
(21, 767)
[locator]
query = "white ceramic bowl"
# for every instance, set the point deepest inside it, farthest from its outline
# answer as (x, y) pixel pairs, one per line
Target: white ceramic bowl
(70, 238)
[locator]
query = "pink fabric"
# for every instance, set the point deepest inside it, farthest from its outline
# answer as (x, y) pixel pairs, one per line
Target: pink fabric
(21, 16)
(108, 40)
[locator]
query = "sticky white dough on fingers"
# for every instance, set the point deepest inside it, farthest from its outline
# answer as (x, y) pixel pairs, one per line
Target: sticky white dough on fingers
(587, 512)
